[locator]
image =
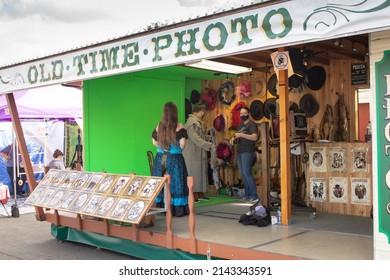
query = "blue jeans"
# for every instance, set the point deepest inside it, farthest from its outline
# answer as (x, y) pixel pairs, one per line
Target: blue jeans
(245, 162)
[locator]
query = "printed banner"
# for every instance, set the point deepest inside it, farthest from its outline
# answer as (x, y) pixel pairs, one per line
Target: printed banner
(256, 28)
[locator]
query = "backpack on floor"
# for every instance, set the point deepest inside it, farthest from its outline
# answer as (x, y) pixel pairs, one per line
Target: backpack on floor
(251, 218)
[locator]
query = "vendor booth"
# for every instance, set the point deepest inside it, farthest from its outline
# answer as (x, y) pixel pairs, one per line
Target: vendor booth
(302, 72)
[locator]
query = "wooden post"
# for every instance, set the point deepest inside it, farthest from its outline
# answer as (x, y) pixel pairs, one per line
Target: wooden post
(168, 215)
(284, 146)
(40, 215)
(265, 166)
(191, 218)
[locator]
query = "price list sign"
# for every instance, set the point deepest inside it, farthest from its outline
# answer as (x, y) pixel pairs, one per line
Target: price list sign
(359, 74)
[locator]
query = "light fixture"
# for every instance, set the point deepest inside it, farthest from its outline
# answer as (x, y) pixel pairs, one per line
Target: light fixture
(354, 49)
(219, 67)
(341, 45)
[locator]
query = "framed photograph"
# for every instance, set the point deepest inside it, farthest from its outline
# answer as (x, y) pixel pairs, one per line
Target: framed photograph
(121, 207)
(135, 185)
(35, 195)
(120, 185)
(70, 178)
(67, 200)
(95, 180)
(318, 189)
(79, 202)
(45, 197)
(337, 160)
(150, 187)
(57, 180)
(107, 182)
(92, 204)
(135, 212)
(105, 206)
(338, 189)
(49, 177)
(56, 198)
(360, 191)
(359, 159)
(81, 181)
(317, 159)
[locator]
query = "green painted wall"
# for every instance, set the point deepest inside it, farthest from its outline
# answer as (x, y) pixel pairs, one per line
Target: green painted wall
(121, 111)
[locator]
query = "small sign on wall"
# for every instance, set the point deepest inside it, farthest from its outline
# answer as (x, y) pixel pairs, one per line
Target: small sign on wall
(359, 74)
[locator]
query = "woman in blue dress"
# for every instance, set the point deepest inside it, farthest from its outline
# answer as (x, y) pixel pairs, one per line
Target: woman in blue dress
(170, 137)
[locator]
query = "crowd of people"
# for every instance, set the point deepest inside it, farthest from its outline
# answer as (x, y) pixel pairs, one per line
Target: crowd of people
(182, 151)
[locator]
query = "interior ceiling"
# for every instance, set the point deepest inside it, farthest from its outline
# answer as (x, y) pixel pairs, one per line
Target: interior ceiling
(321, 52)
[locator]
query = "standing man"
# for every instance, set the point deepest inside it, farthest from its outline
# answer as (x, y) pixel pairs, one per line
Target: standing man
(195, 151)
(246, 137)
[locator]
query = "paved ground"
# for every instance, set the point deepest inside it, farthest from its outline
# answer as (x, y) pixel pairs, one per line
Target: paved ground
(25, 238)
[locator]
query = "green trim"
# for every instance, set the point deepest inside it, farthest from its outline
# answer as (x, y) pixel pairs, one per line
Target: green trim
(123, 246)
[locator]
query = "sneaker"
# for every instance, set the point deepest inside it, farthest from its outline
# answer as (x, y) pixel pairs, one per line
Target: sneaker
(245, 199)
(254, 200)
(196, 201)
(204, 198)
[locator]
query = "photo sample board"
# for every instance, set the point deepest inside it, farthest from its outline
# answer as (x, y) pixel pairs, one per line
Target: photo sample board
(125, 198)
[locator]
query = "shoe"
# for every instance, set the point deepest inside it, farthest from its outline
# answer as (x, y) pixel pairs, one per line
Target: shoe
(204, 198)
(245, 199)
(196, 201)
(254, 200)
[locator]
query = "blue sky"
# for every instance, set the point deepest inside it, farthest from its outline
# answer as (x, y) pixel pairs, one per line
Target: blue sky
(36, 28)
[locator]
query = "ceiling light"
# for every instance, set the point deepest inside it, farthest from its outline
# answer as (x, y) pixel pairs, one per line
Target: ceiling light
(219, 67)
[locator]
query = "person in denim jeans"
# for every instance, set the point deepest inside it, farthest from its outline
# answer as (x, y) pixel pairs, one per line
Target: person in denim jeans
(245, 138)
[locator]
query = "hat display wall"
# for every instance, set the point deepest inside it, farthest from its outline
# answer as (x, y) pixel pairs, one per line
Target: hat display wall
(256, 110)
(226, 93)
(195, 96)
(272, 85)
(270, 107)
(316, 77)
(309, 105)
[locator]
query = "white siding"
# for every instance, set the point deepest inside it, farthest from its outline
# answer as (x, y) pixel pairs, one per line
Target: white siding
(379, 42)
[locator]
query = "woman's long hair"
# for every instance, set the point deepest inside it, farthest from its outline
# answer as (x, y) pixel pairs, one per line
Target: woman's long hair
(166, 134)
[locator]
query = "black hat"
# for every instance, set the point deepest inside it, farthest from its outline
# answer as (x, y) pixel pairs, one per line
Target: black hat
(272, 85)
(293, 107)
(269, 107)
(226, 93)
(195, 96)
(256, 110)
(295, 81)
(316, 77)
(188, 108)
(309, 105)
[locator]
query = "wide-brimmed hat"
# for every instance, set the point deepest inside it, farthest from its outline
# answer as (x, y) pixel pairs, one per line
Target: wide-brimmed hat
(226, 93)
(309, 105)
(269, 107)
(195, 96)
(316, 77)
(272, 85)
(293, 107)
(259, 86)
(219, 123)
(295, 81)
(256, 110)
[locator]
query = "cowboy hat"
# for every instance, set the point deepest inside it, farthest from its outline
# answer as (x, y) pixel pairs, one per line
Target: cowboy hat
(226, 93)
(309, 105)
(272, 85)
(195, 96)
(259, 86)
(256, 110)
(269, 107)
(316, 77)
